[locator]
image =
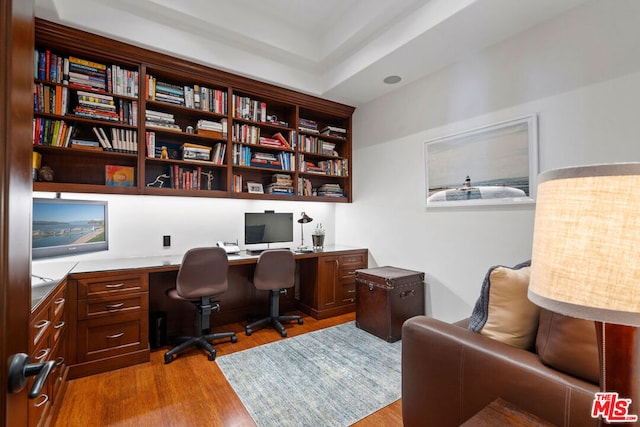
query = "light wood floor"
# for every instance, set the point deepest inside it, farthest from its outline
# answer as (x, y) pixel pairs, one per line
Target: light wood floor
(190, 391)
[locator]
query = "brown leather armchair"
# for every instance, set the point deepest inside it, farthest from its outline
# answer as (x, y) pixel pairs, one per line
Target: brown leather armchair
(450, 373)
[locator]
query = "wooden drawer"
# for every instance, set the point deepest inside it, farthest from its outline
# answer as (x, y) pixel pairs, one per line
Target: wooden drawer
(103, 285)
(40, 326)
(110, 305)
(58, 312)
(355, 260)
(58, 374)
(347, 292)
(111, 336)
(39, 407)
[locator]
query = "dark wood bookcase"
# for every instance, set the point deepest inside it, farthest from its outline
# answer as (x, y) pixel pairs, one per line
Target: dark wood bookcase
(248, 110)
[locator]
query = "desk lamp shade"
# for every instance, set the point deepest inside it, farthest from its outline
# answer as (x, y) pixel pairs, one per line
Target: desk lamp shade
(586, 245)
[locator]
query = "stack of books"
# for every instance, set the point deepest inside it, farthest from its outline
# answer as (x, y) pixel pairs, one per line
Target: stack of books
(86, 74)
(328, 148)
(330, 190)
(334, 131)
(195, 152)
(277, 141)
(265, 160)
(280, 184)
(161, 120)
(212, 129)
(306, 125)
(166, 92)
(96, 106)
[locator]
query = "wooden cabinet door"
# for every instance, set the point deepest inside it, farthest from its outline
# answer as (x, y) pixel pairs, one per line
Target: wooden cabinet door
(328, 282)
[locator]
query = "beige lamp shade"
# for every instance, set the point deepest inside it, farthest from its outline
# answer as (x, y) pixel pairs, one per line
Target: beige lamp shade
(586, 245)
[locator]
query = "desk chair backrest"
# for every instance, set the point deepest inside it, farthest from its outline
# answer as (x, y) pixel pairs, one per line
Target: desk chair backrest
(275, 270)
(203, 272)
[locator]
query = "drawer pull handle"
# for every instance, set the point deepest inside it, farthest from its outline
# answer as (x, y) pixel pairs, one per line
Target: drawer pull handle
(41, 324)
(59, 301)
(114, 285)
(406, 294)
(352, 291)
(114, 306)
(43, 354)
(115, 336)
(59, 361)
(45, 399)
(59, 325)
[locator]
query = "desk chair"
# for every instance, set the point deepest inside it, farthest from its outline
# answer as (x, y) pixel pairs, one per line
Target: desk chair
(275, 271)
(202, 276)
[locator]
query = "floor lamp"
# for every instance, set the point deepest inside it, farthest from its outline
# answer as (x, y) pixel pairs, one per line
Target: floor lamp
(304, 218)
(586, 263)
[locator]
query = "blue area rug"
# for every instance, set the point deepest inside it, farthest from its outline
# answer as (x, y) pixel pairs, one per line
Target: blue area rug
(331, 377)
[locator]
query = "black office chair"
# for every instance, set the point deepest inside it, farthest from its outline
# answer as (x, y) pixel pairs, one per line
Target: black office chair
(202, 276)
(275, 271)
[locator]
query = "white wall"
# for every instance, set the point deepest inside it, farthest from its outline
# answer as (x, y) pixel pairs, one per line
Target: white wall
(137, 223)
(580, 73)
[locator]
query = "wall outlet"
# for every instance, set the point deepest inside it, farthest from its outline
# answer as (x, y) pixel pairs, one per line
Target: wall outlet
(166, 241)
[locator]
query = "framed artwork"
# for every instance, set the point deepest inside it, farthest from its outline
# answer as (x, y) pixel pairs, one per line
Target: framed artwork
(254, 187)
(491, 165)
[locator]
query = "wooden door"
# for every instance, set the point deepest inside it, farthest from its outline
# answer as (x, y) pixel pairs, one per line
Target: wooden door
(16, 113)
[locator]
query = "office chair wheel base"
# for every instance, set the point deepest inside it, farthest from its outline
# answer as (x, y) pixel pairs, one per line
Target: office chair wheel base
(211, 357)
(283, 334)
(234, 339)
(248, 332)
(168, 359)
(300, 321)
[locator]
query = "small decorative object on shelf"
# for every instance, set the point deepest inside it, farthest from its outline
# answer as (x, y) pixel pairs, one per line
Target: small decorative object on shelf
(45, 174)
(318, 237)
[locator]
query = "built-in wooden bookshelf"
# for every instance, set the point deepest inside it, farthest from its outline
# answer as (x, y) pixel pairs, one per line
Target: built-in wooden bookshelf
(183, 128)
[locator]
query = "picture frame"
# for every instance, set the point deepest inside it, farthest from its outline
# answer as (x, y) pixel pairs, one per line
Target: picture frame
(255, 188)
(490, 165)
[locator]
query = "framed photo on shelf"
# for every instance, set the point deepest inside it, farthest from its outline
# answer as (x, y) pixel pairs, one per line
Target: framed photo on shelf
(491, 165)
(255, 188)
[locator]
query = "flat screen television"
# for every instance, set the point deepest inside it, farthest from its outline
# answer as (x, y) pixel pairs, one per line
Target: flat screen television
(68, 227)
(268, 227)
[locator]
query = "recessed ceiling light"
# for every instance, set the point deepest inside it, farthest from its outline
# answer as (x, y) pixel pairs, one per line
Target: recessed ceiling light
(390, 80)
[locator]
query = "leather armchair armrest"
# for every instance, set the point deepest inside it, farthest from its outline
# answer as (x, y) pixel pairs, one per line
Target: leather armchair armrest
(450, 373)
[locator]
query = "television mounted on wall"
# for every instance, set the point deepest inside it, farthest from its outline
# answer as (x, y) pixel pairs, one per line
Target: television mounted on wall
(68, 227)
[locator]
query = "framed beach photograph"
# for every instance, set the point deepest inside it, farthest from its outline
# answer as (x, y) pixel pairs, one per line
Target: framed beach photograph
(255, 187)
(491, 165)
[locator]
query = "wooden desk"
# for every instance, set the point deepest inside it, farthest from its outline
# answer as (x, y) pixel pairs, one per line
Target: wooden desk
(109, 301)
(502, 413)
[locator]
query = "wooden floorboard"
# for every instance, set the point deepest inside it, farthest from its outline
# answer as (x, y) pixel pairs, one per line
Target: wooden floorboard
(190, 391)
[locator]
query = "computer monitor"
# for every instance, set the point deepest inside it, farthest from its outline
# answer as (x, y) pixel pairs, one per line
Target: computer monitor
(268, 227)
(68, 227)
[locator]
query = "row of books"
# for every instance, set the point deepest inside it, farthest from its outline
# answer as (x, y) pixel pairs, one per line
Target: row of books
(197, 97)
(50, 99)
(122, 140)
(74, 71)
(249, 109)
(245, 156)
(335, 167)
(188, 178)
(54, 133)
(313, 144)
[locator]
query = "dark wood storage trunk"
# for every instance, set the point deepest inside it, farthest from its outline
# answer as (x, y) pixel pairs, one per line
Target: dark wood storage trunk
(385, 298)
